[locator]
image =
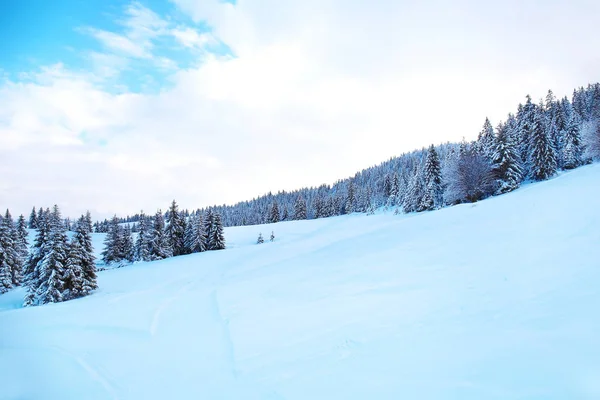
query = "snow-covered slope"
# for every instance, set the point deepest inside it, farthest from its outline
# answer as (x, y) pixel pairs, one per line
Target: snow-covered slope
(495, 300)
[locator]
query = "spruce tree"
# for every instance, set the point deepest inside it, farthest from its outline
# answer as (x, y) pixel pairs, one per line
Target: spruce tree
(433, 180)
(175, 230)
(195, 234)
(526, 119)
(216, 238)
(160, 248)
(415, 199)
(299, 208)
(542, 157)
(127, 251)
(350, 198)
(209, 222)
(485, 140)
(33, 219)
(10, 258)
(113, 243)
(260, 239)
(52, 267)
(83, 236)
(22, 248)
(40, 250)
(506, 168)
(572, 147)
(142, 244)
(272, 238)
(274, 213)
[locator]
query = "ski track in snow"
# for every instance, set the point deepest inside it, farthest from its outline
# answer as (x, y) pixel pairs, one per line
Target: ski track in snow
(91, 371)
(155, 324)
(223, 324)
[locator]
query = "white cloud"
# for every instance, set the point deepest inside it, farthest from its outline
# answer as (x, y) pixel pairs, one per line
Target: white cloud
(316, 90)
(190, 37)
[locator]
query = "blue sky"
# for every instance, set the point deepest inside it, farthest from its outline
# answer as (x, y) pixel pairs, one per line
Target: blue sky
(117, 106)
(37, 33)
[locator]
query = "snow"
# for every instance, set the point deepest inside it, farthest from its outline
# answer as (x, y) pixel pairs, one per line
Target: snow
(493, 300)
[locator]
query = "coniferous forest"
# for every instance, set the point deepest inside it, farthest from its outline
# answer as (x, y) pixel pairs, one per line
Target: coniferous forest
(533, 144)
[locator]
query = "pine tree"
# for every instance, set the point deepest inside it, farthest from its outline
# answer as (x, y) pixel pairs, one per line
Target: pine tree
(274, 213)
(542, 158)
(299, 208)
(160, 248)
(10, 255)
(74, 276)
(142, 245)
(216, 239)
(433, 180)
(195, 238)
(285, 215)
(22, 248)
(209, 221)
(485, 139)
(83, 236)
(7, 256)
(526, 118)
(127, 251)
(33, 220)
(506, 168)
(41, 248)
(113, 245)
(51, 268)
(260, 239)
(350, 198)
(572, 146)
(175, 230)
(414, 200)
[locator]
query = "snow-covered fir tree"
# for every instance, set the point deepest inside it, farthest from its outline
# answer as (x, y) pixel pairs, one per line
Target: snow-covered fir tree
(113, 246)
(506, 169)
(160, 248)
(216, 238)
(175, 230)
(272, 238)
(572, 149)
(274, 213)
(526, 117)
(299, 208)
(542, 158)
(127, 250)
(485, 140)
(33, 219)
(80, 271)
(260, 239)
(10, 257)
(432, 175)
(195, 235)
(143, 242)
(46, 284)
(22, 248)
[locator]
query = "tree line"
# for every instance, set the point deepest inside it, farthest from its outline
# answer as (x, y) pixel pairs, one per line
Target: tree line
(162, 236)
(532, 144)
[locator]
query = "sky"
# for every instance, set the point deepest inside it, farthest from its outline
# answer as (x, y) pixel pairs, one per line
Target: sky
(118, 106)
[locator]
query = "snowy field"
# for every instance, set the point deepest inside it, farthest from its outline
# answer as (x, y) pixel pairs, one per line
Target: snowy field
(494, 300)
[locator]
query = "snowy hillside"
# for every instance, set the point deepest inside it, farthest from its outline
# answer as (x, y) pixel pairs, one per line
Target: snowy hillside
(493, 300)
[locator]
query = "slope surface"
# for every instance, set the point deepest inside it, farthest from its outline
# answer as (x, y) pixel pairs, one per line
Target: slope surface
(495, 300)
